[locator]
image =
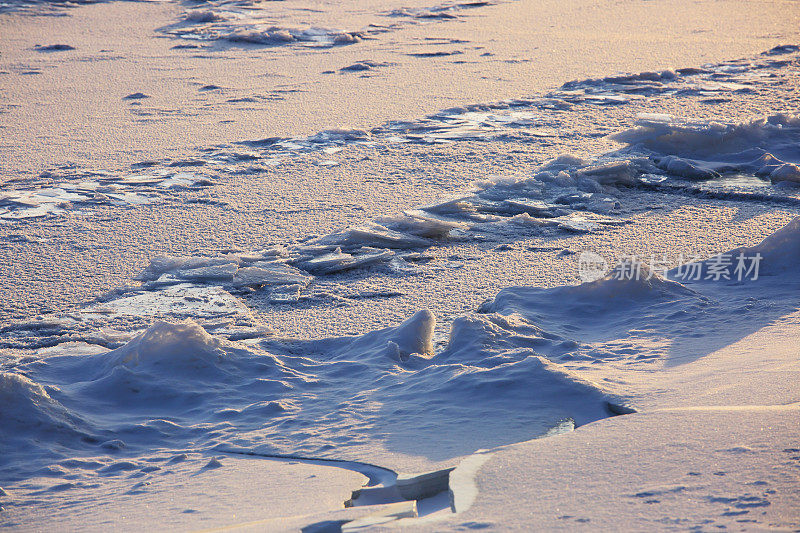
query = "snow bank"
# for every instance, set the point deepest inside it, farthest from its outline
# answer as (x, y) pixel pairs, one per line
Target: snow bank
(183, 348)
(595, 321)
(29, 411)
(614, 293)
(777, 255)
(176, 386)
(767, 146)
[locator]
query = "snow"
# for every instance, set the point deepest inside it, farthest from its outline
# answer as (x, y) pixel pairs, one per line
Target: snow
(778, 255)
(765, 146)
(304, 335)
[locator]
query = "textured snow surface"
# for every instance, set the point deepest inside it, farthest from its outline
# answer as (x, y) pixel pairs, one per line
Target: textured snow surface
(731, 156)
(500, 379)
(181, 367)
(175, 386)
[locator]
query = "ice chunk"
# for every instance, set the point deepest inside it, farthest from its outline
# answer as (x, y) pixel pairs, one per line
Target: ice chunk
(578, 225)
(223, 272)
(685, 168)
(178, 300)
(163, 264)
(615, 173)
(372, 234)
(786, 172)
(264, 273)
(338, 261)
(423, 224)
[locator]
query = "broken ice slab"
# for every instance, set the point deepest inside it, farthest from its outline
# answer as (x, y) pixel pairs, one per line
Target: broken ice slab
(31, 212)
(185, 180)
(141, 180)
(132, 198)
(209, 273)
(179, 300)
(285, 294)
(18, 204)
(423, 224)
(372, 234)
(578, 225)
(419, 486)
(270, 273)
(163, 264)
(338, 261)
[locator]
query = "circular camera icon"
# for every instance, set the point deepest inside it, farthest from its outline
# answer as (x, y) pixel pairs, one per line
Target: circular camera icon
(591, 266)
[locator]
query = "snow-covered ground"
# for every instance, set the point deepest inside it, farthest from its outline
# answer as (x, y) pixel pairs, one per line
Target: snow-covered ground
(569, 306)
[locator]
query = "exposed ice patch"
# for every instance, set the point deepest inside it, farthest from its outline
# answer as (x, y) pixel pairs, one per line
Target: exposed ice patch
(60, 192)
(179, 300)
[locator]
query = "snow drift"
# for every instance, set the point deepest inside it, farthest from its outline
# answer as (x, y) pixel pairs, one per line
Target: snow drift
(777, 256)
(176, 386)
(767, 146)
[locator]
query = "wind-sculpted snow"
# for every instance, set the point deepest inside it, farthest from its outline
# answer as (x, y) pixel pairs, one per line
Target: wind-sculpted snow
(506, 374)
(777, 257)
(635, 313)
(175, 386)
(766, 147)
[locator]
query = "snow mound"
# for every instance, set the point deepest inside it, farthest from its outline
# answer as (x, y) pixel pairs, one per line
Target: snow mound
(412, 337)
(614, 293)
(780, 251)
(778, 254)
(30, 417)
(183, 347)
(766, 146)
